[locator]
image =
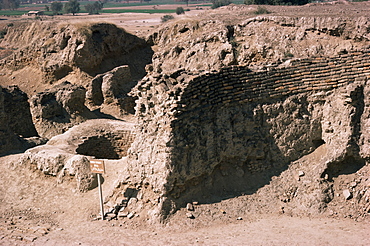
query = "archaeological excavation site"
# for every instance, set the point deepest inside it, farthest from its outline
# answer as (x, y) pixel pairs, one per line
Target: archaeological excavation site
(208, 118)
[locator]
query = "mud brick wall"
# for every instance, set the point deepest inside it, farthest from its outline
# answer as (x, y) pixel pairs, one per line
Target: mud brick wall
(212, 135)
(107, 146)
(235, 127)
(238, 84)
(122, 141)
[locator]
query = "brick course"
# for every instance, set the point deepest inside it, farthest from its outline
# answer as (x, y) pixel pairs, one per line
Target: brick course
(237, 84)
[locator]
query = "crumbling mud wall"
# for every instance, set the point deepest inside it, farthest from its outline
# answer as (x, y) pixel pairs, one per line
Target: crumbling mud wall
(67, 155)
(79, 51)
(17, 109)
(111, 145)
(210, 136)
(18, 132)
(109, 92)
(55, 110)
(211, 43)
(9, 141)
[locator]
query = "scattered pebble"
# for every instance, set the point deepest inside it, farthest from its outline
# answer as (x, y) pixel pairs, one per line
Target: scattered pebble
(29, 238)
(190, 207)
(347, 194)
(190, 216)
(110, 216)
(122, 214)
(131, 215)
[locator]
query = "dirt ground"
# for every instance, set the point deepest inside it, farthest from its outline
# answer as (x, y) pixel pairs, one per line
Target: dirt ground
(37, 210)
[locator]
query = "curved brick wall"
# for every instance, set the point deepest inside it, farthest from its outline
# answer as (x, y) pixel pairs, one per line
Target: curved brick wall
(208, 136)
(235, 129)
(239, 84)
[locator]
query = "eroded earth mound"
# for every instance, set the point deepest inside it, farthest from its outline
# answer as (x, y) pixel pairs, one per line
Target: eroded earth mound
(254, 114)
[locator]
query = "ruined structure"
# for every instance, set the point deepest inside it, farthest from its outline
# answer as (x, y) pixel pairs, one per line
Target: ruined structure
(268, 105)
(210, 136)
(67, 155)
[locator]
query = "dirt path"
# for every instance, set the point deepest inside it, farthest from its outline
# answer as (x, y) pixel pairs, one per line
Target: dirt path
(265, 231)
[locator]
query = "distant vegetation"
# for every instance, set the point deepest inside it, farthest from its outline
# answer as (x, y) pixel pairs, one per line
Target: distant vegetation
(9, 4)
(219, 3)
(94, 8)
(180, 10)
(52, 7)
(261, 10)
(72, 6)
(277, 2)
(56, 7)
(167, 18)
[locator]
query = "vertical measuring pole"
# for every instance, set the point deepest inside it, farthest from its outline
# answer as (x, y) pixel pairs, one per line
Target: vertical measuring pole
(98, 167)
(101, 197)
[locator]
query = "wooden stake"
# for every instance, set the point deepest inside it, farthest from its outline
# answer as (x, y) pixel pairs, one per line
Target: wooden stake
(101, 197)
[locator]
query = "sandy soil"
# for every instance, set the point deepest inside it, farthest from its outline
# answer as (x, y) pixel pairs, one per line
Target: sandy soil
(37, 210)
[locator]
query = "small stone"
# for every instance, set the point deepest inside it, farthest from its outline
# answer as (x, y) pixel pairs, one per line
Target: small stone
(195, 203)
(18, 238)
(122, 214)
(190, 216)
(131, 215)
(353, 184)
(222, 211)
(347, 194)
(132, 202)
(29, 238)
(239, 218)
(42, 231)
(190, 207)
(301, 173)
(326, 177)
(110, 216)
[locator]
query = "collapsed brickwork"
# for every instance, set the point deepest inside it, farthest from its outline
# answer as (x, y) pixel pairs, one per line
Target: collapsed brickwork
(215, 135)
(68, 154)
(111, 145)
(206, 136)
(239, 84)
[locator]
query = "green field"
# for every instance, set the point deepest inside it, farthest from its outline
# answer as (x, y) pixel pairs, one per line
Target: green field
(12, 12)
(24, 8)
(148, 11)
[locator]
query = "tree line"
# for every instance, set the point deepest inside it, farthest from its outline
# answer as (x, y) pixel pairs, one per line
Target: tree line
(9, 4)
(57, 7)
(73, 7)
